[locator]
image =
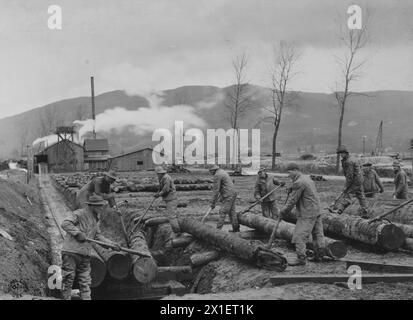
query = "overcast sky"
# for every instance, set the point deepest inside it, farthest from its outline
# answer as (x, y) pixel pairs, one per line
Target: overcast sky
(160, 44)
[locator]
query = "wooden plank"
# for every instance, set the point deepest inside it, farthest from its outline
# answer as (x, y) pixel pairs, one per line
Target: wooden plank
(333, 278)
(380, 267)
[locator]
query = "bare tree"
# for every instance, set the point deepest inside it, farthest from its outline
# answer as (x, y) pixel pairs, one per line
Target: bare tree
(286, 56)
(238, 99)
(353, 41)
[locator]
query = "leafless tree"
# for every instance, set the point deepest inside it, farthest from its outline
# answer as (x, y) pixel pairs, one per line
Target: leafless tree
(286, 56)
(238, 99)
(353, 41)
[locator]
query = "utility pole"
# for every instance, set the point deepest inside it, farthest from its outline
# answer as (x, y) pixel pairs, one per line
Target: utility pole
(92, 86)
(364, 145)
(28, 173)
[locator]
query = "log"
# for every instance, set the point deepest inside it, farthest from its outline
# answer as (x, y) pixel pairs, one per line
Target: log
(97, 269)
(379, 234)
(407, 229)
(232, 244)
(143, 268)
(182, 241)
(118, 264)
(285, 230)
(200, 259)
(408, 244)
(156, 221)
(380, 267)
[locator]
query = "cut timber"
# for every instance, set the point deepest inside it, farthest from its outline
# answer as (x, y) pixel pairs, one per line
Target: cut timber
(230, 243)
(118, 264)
(380, 234)
(331, 278)
(408, 244)
(285, 230)
(143, 268)
(379, 267)
(179, 273)
(407, 229)
(182, 241)
(200, 259)
(97, 269)
(156, 221)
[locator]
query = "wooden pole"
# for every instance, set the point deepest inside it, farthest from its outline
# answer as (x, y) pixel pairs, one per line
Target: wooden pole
(92, 87)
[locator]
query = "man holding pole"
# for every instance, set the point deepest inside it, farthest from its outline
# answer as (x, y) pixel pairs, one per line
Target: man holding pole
(371, 181)
(264, 184)
(305, 198)
(76, 251)
(224, 187)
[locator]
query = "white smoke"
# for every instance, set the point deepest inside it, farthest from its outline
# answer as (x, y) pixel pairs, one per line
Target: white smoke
(46, 141)
(15, 166)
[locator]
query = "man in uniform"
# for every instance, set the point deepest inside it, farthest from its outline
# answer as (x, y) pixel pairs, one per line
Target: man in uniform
(305, 198)
(400, 181)
(76, 251)
(371, 181)
(224, 188)
(168, 193)
(354, 183)
(264, 184)
(99, 186)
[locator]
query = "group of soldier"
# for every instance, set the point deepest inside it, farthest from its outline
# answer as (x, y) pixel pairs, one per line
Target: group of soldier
(301, 195)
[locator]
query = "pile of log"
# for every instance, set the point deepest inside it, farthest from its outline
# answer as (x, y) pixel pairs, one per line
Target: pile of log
(285, 230)
(380, 234)
(246, 250)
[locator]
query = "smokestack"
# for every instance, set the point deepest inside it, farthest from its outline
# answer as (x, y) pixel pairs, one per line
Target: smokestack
(92, 86)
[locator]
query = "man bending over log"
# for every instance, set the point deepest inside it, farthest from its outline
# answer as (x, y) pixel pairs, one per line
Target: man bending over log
(303, 195)
(167, 191)
(264, 184)
(354, 183)
(224, 187)
(83, 223)
(371, 181)
(99, 186)
(400, 181)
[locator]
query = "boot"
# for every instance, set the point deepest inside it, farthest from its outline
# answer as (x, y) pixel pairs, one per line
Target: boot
(318, 255)
(299, 260)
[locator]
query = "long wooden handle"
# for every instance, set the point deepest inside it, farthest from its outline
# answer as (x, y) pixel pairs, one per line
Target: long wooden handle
(391, 211)
(273, 234)
(206, 214)
(146, 211)
(260, 200)
(108, 245)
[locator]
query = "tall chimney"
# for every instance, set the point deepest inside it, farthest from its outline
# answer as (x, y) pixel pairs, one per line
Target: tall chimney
(92, 86)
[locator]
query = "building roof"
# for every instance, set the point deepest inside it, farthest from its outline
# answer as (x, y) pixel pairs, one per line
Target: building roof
(52, 145)
(132, 152)
(96, 144)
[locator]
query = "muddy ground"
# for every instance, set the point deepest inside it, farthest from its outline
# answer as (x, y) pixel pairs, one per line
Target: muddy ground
(24, 259)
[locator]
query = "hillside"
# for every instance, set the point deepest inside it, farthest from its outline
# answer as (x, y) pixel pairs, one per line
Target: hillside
(311, 124)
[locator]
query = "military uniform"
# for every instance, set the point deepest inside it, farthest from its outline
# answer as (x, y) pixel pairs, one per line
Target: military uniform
(400, 185)
(304, 197)
(269, 204)
(224, 187)
(99, 186)
(354, 185)
(372, 183)
(167, 191)
(75, 254)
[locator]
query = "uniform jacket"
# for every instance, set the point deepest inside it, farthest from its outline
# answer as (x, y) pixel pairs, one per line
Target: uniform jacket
(167, 188)
(371, 182)
(304, 197)
(265, 185)
(400, 182)
(352, 172)
(81, 220)
(222, 186)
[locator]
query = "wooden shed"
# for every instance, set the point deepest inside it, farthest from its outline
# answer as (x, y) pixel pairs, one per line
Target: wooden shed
(133, 161)
(96, 154)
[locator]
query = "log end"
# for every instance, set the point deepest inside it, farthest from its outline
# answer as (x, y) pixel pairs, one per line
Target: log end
(391, 237)
(119, 266)
(336, 250)
(270, 260)
(144, 270)
(98, 271)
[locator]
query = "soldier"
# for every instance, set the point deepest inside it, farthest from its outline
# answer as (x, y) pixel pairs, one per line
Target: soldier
(305, 198)
(168, 193)
(354, 183)
(264, 184)
(224, 187)
(83, 223)
(99, 186)
(400, 181)
(371, 181)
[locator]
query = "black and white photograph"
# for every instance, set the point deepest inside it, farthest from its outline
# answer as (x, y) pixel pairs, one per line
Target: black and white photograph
(206, 154)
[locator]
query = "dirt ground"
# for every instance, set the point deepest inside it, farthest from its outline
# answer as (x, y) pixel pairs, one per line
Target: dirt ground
(24, 259)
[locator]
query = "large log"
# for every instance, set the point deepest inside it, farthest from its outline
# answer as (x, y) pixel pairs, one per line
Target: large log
(199, 259)
(143, 268)
(97, 269)
(118, 264)
(408, 244)
(380, 234)
(285, 230)
(232, 244)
